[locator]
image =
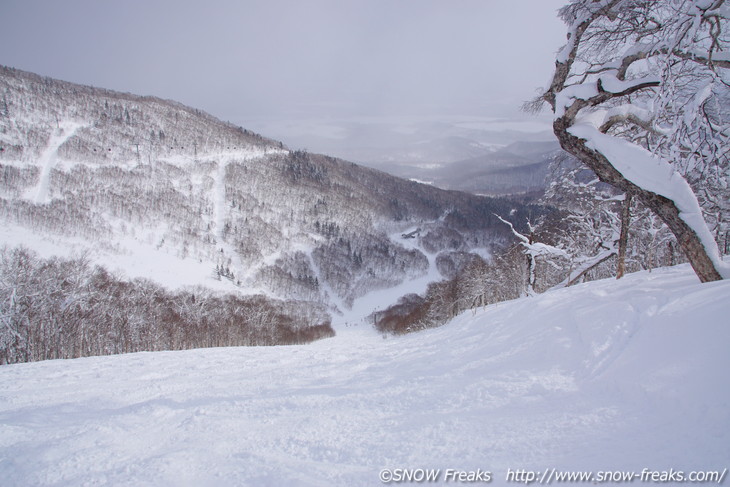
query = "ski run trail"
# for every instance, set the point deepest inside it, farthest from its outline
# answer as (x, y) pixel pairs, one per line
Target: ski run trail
(48, 159)
(221, 207)
(605, 376)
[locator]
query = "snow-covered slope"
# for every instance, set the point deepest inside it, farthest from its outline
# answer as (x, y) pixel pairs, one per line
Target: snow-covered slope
(152, 189)
(605, 376)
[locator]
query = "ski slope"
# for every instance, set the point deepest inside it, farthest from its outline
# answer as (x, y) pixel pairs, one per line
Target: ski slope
(49, 158)
(609, 375)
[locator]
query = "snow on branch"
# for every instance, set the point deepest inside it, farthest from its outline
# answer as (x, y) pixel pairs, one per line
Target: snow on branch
(587, 265)
(517, 234)
(610, 83)
(652, 173)
(534, 248)
(664, 58)
(718, 59)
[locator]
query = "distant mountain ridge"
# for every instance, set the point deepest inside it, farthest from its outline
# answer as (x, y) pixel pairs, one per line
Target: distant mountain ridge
(159, 190)
(416, 140)
(520, 167)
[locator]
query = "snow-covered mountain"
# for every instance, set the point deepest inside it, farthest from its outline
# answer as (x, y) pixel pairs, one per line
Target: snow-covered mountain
(152, 189)
(610, 377)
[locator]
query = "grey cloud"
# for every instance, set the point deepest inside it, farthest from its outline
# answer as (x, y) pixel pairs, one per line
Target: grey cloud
(290, 57)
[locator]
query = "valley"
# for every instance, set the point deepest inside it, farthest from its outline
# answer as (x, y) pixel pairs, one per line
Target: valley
(150, 189)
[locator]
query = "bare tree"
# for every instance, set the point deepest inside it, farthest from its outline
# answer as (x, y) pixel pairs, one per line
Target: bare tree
(592, 230)
(532, 251)
(639, 95)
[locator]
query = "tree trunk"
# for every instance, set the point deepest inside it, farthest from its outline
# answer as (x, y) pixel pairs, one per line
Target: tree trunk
(623, 239)
(664, 208)
(531, 277)
(571, 280)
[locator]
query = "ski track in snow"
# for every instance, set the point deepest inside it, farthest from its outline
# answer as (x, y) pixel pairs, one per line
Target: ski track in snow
(220, 203)
(354, 318)
(219, 187)
(609, 375)
(49, 158)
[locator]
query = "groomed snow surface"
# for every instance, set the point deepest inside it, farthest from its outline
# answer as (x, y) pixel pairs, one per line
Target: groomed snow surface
(609, 375)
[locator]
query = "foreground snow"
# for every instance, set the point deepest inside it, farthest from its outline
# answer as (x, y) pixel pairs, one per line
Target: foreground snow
(604, 376)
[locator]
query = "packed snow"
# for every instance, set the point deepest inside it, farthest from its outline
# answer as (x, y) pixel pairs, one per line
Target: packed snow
(49, 158)
(609, 375)
(129, 257)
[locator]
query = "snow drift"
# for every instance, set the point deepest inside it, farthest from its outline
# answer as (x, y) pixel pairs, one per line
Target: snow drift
(609, 375)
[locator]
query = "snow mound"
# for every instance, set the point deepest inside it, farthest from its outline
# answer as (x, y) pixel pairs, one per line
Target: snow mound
(610, 375)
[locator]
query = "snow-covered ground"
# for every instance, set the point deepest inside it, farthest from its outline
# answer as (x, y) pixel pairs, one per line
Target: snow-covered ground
(611, 375)
(49, 158)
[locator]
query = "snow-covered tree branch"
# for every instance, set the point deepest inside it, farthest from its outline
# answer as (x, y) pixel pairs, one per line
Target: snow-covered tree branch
(640, 95)
(532, 250)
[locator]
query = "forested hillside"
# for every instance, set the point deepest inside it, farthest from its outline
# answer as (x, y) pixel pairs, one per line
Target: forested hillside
(151, 189)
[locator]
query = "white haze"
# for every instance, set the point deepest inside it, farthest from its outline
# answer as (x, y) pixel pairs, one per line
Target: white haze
(279, 65)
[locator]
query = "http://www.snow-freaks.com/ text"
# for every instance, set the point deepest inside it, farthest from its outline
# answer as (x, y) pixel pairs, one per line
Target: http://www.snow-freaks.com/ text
(549, 476)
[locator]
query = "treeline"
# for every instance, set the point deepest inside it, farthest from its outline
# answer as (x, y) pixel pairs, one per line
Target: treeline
(66, 308)
(300, 225)
(471, 282)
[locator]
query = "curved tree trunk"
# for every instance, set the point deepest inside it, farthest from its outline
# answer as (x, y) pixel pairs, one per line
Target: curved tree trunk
(664, 208)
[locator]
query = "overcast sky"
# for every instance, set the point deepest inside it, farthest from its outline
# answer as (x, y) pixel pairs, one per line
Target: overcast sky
(242, 59)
